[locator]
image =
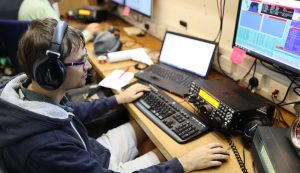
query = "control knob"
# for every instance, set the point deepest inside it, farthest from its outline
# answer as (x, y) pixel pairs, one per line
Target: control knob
(206, 109)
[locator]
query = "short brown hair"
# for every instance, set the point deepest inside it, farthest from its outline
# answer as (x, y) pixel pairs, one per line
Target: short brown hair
(37, 40)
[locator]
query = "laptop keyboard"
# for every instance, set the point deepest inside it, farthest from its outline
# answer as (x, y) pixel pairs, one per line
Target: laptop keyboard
(171, 117)
(179, 78)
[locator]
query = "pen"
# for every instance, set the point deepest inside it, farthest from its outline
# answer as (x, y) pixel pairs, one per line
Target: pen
(125, 70)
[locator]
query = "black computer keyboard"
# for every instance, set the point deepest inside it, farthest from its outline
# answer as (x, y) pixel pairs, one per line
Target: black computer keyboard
(171, 117)
(182, 79)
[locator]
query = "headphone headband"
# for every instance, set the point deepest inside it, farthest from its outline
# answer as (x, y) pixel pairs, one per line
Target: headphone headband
(58, 36)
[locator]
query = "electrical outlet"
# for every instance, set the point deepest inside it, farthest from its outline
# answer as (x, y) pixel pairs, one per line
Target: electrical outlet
(279, 88)
(183, 23)
(258, 77)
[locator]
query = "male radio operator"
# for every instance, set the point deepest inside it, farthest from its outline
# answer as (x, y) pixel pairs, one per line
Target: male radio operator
(41, 9)
(41, 132)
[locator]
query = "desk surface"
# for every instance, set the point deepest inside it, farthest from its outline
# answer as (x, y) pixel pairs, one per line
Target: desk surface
(164, 143)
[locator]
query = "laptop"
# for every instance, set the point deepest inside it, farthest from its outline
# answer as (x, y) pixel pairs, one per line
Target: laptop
(182, 60)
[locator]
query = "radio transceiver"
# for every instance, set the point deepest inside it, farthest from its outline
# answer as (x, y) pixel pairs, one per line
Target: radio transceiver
(228, 107)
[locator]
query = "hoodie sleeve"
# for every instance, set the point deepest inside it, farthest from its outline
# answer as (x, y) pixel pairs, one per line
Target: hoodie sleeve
(172, 166)
(88, 111)
(62, 158)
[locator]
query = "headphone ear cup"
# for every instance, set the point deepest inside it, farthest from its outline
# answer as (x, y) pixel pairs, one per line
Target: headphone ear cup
(249, 131)
(250, 127)
(49, 72)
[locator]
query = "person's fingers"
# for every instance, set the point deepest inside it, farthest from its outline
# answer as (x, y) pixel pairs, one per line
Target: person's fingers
(219, 150)
(214, 163)
(219, 157)
(215, 145)
(138, 94)
(141, 88)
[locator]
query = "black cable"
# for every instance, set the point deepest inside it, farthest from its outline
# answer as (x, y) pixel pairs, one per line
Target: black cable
(191, 105)
(236, 154)
(286, 93)
(219, 64)
(221, 22)
(295, 90)
(248, 71)
(282, 119)
(293, 80)
(254, 67)
(296, 102)
(279, 117)
(221, 14)
(274, 119)
(272, 69)
(220, 18)
(278, 70)
(218, 37)
(290, 76)
(244, 158)
(253, 82)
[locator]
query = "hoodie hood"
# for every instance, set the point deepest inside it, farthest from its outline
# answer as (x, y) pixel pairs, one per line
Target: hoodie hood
(21, 118)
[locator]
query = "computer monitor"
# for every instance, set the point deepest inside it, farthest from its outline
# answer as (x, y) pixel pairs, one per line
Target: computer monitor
(270, 31)
(120, 2)
(141, 6)
(187, 53)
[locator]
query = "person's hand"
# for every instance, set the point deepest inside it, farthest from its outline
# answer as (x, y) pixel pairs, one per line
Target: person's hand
(132, 93)
(93, 28)
(204, 157)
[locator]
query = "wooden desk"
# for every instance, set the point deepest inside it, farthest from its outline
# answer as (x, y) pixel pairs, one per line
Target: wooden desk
(166, 144)
(171, 149)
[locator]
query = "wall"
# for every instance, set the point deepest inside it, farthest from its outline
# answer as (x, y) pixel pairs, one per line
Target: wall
(203, 21)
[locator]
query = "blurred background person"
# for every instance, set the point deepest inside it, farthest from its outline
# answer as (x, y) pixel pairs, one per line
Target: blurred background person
(41, 9)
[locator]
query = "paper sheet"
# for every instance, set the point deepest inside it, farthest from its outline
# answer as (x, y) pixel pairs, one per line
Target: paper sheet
(119, 56)
(138, 54)
(131, 30)
(114, 81)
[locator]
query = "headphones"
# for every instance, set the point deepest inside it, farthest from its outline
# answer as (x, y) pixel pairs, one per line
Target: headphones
(259, 118)
(49, 70)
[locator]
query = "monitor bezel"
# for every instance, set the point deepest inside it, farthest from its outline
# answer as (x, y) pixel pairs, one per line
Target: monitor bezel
(118, 3)
(190, 37)
(259, 56)
(141, 12)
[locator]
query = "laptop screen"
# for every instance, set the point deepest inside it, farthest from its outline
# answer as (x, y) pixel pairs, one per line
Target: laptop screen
(187, 53)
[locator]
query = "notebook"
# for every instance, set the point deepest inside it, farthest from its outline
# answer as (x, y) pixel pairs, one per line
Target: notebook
(182, 59)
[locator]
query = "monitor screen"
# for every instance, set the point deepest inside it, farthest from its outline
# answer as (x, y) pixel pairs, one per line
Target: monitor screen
(142, 6)
(121, 2)
(187, 53)
(270, 30)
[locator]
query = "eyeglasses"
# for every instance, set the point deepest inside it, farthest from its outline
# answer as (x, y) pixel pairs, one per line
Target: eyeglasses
(84, 58)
